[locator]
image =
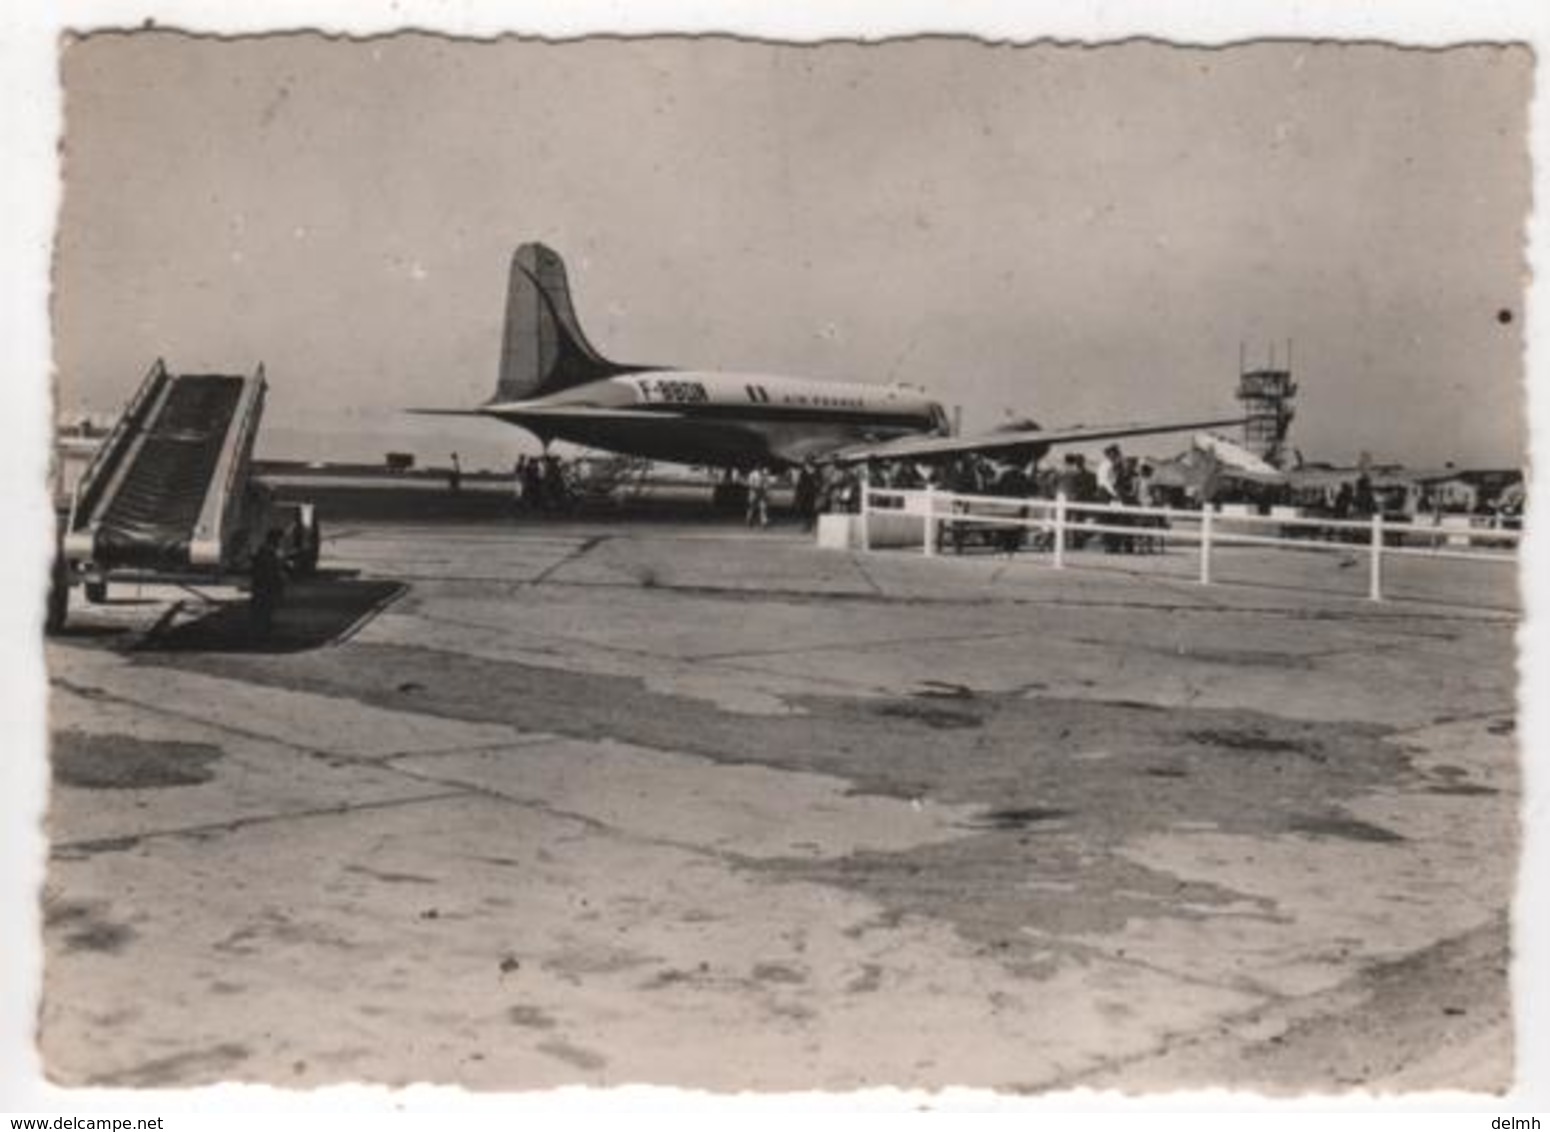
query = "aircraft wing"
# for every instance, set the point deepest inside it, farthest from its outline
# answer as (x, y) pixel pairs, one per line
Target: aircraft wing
(990, 443)
(558, 413)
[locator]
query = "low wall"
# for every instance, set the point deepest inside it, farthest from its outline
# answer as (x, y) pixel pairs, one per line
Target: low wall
(887, 530)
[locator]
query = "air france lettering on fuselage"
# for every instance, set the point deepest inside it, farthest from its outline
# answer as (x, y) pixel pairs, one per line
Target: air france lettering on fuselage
(731, 391)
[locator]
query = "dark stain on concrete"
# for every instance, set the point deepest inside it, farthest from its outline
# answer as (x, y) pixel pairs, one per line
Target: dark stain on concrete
(939, 718)
(1255, 741)
(122, 762)
(792, 1011)
(197, 1067)
(944, 690)
(80, 850)
(869, 980)
(273, 927)
(578, 962)
(389, 877)
(102, 936)
(1462, 789)
(575, 1055)
(1230, 770)
(1019, 753)
(1017, 818)
(667, 977)
(777, 973)
(1138, 705)
(532, 1017)
(1015, 896)
(1253, 658)
(1246, 658)
(1345, 827)
(84, 926)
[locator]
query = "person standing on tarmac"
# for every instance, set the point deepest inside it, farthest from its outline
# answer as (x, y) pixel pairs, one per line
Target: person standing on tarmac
(1110, 471)
(1112, 490)
(268, 584)
(805, 499)
(759, 497)
(533, 484)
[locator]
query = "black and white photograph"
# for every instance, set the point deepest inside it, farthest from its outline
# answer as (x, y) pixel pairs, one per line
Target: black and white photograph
(765, 567)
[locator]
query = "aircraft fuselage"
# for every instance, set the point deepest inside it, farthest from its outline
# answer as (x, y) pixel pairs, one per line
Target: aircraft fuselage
(724, 419)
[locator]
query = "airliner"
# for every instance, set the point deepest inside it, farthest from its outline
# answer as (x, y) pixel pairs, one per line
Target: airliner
(556, 385)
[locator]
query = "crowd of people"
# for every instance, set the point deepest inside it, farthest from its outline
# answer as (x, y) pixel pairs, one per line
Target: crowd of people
(546, 484)
(1117, 479)
(542, 483)
(814, 491)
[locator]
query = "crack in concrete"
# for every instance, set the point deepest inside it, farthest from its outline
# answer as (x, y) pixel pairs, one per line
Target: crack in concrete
(576, 554)
(388, 763)
(537, 738)
(1287, 1013)
(875, 643)
(90, 845)
(455, 787)
(855, 561)
(532, 634)
(95, 692)
(596, 825)
(1089, 951)
(1507, 710)
(716, 658)
(1202, 604)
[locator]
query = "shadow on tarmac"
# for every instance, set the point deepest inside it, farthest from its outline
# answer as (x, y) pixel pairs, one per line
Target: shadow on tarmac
(317, 612)
(390, 502)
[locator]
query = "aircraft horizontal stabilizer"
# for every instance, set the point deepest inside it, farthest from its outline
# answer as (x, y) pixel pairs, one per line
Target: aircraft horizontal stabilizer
(579, 413)
(989, 444)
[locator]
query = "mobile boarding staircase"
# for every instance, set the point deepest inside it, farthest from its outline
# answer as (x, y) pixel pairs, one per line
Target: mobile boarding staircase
(168, 496)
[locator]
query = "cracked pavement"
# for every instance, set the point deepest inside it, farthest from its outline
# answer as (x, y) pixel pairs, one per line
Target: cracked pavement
(587, 803)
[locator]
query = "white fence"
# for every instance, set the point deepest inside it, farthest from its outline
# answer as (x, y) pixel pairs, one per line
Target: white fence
(1052, 523)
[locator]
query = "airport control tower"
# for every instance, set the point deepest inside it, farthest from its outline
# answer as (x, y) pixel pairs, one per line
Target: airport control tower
(1267, 401)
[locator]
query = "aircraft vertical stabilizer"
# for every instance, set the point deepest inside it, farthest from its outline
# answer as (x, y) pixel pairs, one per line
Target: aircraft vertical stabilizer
(544, 350)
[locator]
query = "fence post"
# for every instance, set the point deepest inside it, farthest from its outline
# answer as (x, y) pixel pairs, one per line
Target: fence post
(930, 519)
(1375, 576)
(1205, 544)
(866, 509)
(1060, 530)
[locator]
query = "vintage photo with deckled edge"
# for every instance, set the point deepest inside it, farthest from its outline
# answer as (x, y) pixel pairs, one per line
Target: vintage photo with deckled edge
(395, 748)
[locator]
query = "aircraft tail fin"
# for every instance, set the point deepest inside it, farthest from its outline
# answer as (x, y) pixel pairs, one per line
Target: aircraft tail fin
(543, 349)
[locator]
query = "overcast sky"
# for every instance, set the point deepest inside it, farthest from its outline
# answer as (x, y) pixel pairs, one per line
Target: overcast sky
(1073, 234)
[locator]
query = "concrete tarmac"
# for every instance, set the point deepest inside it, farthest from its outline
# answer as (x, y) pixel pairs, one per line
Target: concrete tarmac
(514, 805)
